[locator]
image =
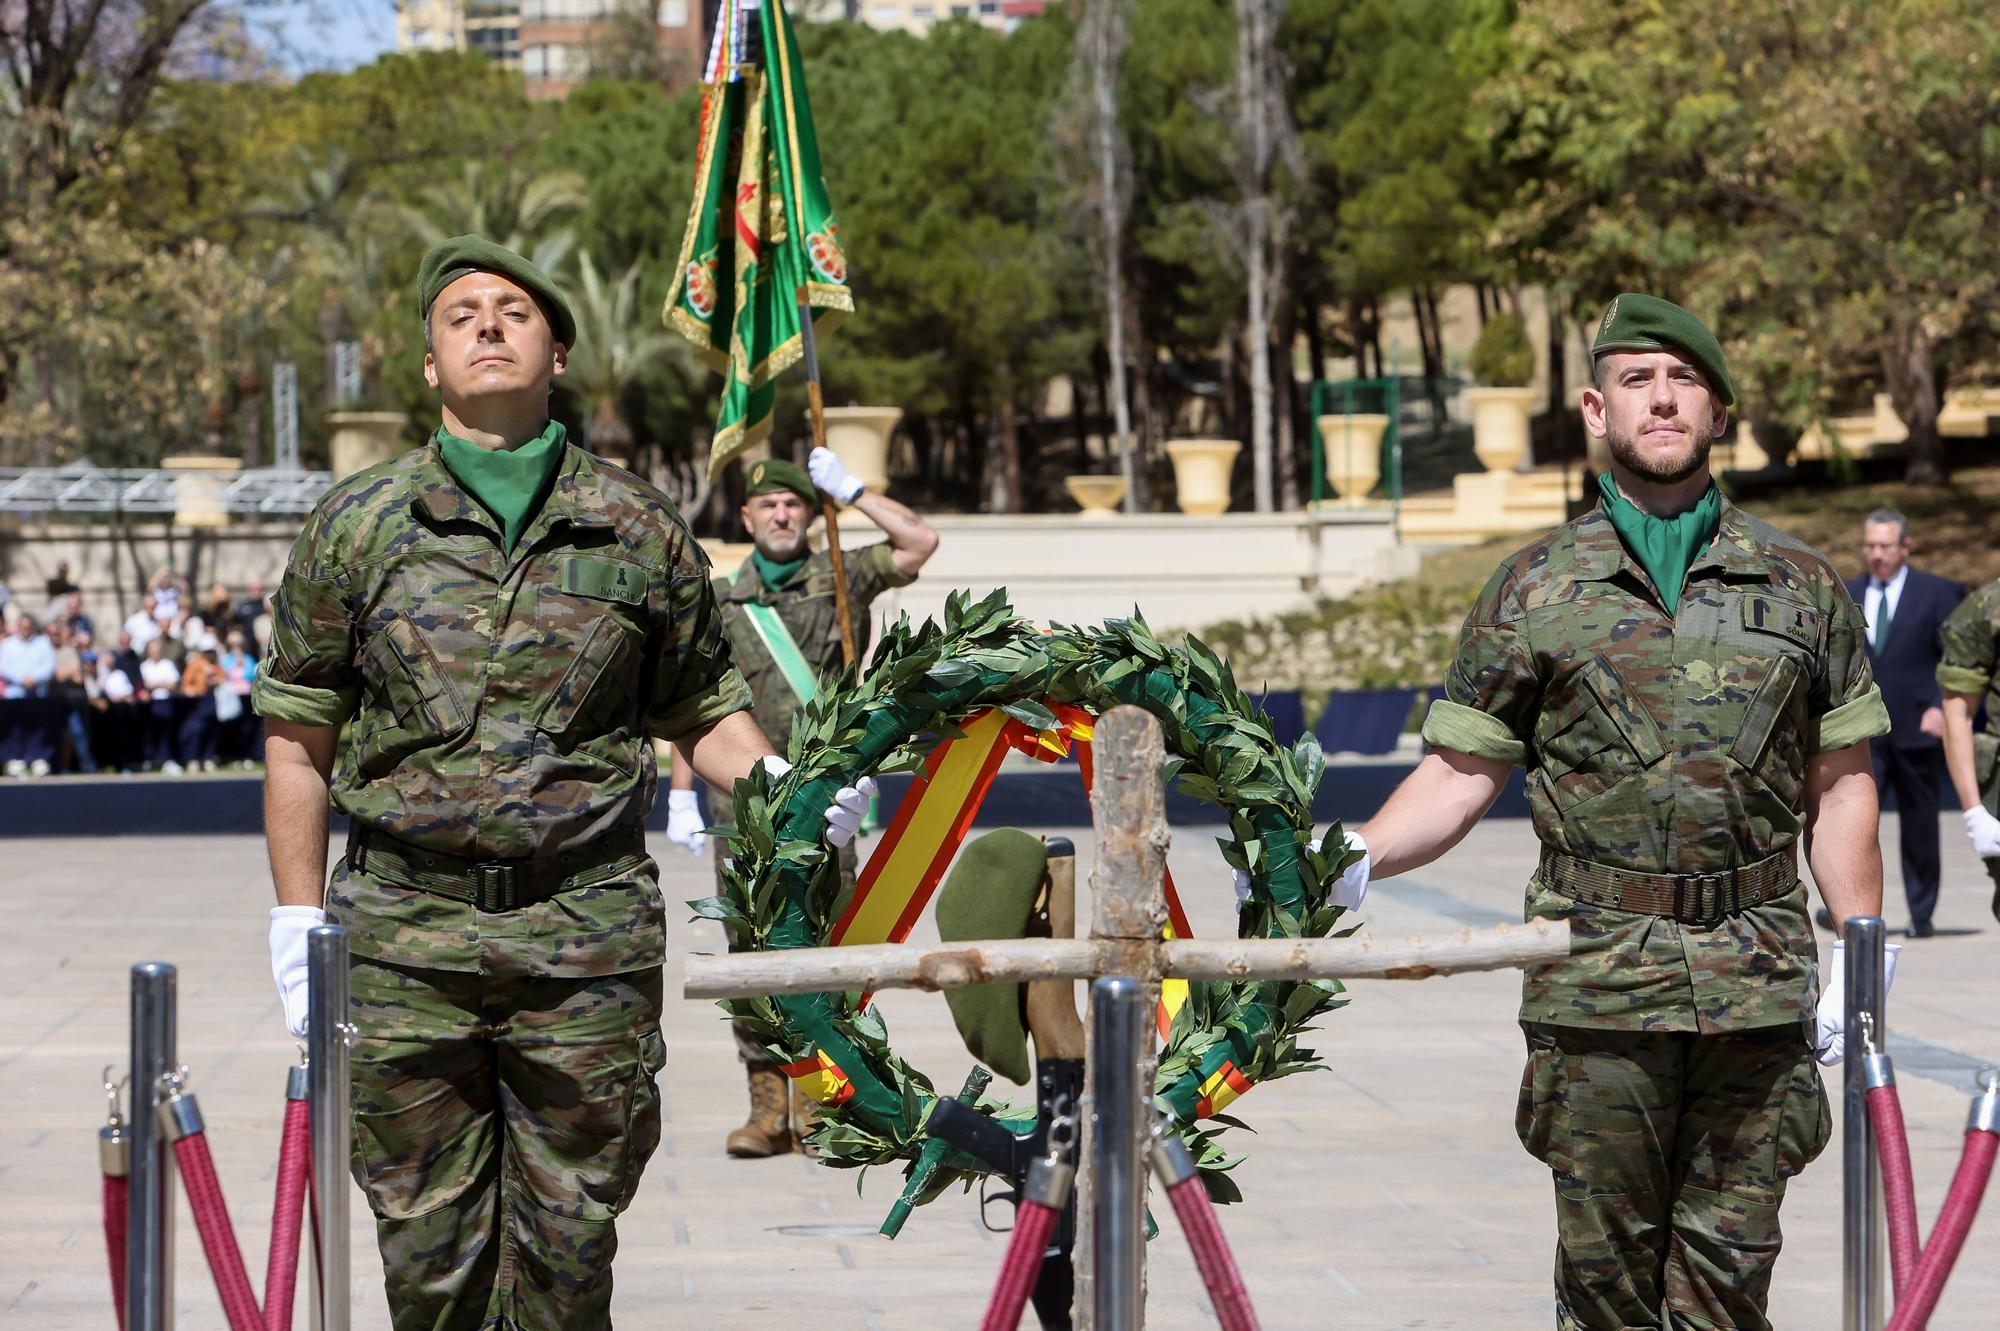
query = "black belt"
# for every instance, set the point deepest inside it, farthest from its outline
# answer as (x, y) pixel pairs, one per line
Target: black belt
(495, 885)
(1692, 898)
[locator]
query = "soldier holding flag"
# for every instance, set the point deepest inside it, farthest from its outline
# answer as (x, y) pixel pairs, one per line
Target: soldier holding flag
(779, 613)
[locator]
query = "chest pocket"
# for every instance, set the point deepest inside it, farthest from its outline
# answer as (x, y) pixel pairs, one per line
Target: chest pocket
(409, 682)
(600, 683)
(1594, 735)
(1775, 643)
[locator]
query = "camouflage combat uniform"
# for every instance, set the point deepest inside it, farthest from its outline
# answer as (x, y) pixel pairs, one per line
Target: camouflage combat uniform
(806, 605)
(499, 711)
(1670, 1083)
(1971, 665)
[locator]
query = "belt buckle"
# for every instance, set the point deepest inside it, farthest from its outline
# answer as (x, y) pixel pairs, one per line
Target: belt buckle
(1708, 906)
(495, 886)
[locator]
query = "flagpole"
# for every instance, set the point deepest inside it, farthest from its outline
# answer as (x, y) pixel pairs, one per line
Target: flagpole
(816, 406)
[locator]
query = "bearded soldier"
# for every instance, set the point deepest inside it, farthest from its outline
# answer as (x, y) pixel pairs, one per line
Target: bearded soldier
(502, 622)
(1688, 690)
(780, 614)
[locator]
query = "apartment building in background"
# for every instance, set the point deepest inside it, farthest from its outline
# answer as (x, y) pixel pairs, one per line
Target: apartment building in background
(554, 42)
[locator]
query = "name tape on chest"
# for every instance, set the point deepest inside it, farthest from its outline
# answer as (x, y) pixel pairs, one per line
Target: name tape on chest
(605, 580)
(1785, 619)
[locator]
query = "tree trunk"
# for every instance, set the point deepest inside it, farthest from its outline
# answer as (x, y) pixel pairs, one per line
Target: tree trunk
(1142, 418)
(1004, 496)
(1307, 314)
(1913, 388)
(1437, 331)
(1285, 393)
(1257, 338)
(1102, 43)
(1375, 335)
(1226, 401)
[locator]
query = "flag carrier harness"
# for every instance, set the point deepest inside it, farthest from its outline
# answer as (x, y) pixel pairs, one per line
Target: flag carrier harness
(164, 1134)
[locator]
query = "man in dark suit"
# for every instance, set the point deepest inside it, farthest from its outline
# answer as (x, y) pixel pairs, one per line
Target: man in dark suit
(1906, 609)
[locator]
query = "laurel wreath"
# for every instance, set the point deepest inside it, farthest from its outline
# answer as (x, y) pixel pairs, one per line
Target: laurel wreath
(779, 886)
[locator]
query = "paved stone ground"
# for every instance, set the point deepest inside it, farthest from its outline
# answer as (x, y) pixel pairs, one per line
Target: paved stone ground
(1387, 1192)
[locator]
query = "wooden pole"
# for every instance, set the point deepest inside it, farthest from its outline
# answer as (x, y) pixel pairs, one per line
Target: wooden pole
(1128, 806)
(828, 506)
(1036, 960)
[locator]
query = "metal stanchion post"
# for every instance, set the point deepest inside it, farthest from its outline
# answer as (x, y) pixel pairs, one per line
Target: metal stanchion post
(1117, 1238)
(149, 1246)
(1861, 1207)
(327, 1035)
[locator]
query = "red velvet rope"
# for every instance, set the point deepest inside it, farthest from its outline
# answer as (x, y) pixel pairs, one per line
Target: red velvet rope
(1211, 1254)
(1899, 1189)
(281, 1269)
(1033, 1223)
(218, 1238)
(117, 1190)
(1954, 1222)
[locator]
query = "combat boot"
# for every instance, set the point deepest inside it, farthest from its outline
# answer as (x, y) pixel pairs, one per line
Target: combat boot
(767, 1132)
(805, 1116)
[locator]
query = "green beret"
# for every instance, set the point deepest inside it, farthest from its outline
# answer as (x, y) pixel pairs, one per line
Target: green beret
(991, 894)
(772, 475)
(451, 259)
(1634, 321)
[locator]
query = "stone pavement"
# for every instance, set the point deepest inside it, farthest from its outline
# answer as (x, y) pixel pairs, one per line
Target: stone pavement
(1386, 1192)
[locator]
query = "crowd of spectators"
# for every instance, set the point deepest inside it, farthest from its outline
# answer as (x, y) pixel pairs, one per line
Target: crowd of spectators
(170, 692)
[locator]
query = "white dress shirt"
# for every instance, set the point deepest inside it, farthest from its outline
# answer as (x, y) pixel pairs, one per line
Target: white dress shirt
(1872, 608)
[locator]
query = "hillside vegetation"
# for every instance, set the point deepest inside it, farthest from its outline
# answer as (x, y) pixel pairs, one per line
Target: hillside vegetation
(1400, 634)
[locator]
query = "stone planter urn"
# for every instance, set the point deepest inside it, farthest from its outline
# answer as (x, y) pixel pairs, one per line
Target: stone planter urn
(1097, 496)
(1352, 445)
(358, 440)
(199, 479)
(1500, 425)
(859, 436)
(1201, 474)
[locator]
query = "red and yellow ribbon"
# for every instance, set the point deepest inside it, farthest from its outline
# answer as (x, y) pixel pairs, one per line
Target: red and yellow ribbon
(821, 1078)
(897, 883)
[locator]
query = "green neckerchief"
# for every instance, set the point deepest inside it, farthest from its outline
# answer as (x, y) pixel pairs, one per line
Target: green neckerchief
(510, 484)
(1666, 547)
(773, 574)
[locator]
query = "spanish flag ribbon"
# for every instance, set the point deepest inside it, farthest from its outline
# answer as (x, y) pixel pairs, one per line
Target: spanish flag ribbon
(931, 823)
(821, 1078)
(1221, 1089)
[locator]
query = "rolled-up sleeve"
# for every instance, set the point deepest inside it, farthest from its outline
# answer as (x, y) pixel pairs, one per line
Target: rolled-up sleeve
(1491, 686)
(309, 676)
(694, 682)
(1971, 643)
(1846, 706)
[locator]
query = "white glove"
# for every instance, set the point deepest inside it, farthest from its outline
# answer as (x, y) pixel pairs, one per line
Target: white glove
(1984, 830)
(830, 474)
(849, 807)
(1349, 892)
(1830, 1023)
(289, 927)
(684, 825)
(1352, 889)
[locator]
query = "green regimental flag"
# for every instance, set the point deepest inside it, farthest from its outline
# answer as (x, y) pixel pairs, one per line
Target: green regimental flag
(761, 229)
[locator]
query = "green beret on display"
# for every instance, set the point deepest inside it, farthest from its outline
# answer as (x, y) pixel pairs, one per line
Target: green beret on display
(772, 475)
(991, 894)
(1634, 321)
(451, 259)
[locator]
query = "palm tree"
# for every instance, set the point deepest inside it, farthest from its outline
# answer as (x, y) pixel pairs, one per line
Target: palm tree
(508, 207)
(614, 344)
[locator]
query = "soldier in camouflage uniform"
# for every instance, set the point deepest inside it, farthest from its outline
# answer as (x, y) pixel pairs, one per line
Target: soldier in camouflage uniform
(1968, 672)
(1689, 692)
(784, 633)
(502, 622)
